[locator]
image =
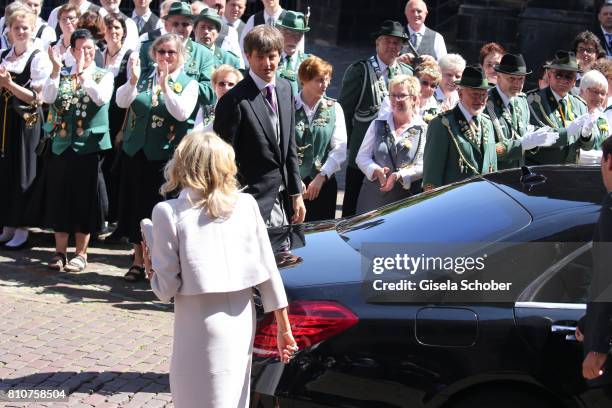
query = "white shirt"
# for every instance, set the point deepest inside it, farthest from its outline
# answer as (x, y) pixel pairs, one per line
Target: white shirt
(504, 97)
(67, 57)
(99, 92)
(114, 64)
(439, 45)
(83, 8)
(235, 24)
(180, 106)
(466, 113)
(337, 154)
(40, 69)
(231, 43)
(446, 102)
(248, 26)
(145, 17)
(46, 38)
(366, 163)
(145, 36)
(261, 85)
(558, 97)
(193, 253)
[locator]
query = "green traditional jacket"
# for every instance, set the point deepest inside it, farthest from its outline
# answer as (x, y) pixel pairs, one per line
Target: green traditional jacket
(224, 57)
(152, 128)
(199, 65)
(453, 152)
(75, 121)
(361, 95)
(546, 111)
(509, 128)
(601, 131)
(290, 71)
(313, 140)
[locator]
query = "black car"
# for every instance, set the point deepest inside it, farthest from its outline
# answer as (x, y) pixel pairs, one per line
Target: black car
(443, 348)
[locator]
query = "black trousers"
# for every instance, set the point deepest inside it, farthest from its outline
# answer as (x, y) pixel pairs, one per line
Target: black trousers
(324, 206)
(352, 185)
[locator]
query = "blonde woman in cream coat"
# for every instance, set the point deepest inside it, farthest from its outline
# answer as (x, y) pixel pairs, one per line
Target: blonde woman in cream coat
(210, 248)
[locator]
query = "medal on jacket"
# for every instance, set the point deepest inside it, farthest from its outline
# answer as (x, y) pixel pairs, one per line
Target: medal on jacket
(79, 130)
(63, 132)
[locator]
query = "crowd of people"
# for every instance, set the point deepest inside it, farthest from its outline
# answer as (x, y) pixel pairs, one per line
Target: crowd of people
(95, 102)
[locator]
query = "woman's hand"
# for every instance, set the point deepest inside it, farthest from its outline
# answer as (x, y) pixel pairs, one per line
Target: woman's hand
(381, 174)
(146, 258)
(287, 346)
(391, 180)
(314, 188)
(56, 61)
(134, 70)
(80, 61)
(163, 76)
(5, 78)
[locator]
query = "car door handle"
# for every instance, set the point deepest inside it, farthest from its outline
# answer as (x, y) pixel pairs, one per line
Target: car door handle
(569, 331)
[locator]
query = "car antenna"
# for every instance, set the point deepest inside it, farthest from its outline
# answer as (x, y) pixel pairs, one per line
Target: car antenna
(528, 177)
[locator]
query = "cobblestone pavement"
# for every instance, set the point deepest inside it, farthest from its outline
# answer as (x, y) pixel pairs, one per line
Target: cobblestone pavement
(107, 341)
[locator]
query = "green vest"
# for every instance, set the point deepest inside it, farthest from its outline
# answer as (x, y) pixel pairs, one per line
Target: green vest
(290, 73)
(152, 128)
(509, 128)
(601, 132)
(225, 57)
(453, 152)
(546, 111)
(313, 140)
(75, 120)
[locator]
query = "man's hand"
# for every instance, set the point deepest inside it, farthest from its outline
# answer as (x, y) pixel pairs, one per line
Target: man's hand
(299, 210)
(592, 366)
(406, 58)
(381, 174)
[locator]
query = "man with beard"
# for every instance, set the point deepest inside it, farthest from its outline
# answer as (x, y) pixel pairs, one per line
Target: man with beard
(292, 26)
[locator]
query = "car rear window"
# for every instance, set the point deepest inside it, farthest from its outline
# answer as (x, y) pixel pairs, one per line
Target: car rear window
(477, 211)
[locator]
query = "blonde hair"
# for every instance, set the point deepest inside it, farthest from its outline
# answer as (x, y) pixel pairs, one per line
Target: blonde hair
(206, 164)
(224, 69)
(412, 84)
(19, 10)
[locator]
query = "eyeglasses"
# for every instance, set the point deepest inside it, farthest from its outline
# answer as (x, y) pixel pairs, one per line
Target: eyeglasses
(170, 53)
(68, 19)
(399, 97)
(184, 24)
(568, 76)
(586, 50)
(432, 85)
(226, 84)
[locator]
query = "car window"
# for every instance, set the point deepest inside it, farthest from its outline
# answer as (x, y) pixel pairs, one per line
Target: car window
(567, 281)
(474, 212)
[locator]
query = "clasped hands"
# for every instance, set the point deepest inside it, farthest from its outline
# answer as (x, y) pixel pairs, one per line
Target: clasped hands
(5, 77)
(543, 136)
(582, 125)
(386, 178)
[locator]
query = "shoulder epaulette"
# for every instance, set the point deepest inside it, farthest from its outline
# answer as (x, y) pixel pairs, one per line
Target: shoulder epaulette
(579, 98)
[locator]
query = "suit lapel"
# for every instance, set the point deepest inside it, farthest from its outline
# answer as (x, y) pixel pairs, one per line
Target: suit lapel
(258, 104)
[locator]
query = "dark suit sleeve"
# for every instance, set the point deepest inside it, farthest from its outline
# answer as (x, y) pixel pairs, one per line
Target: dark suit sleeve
(352, 83)
(227, 119)
(599, 309)
(293, 169)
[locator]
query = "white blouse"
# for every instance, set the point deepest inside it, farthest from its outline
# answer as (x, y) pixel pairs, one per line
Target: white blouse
(67, 57)
(99, 92)
(337, 154)
(113, 64)
(180, 106)
(366, 163)
(40, 69)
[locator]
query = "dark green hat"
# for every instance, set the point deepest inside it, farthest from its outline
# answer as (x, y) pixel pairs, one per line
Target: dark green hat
(211, 15)
(512, 64)
(564, 61)
(392, 28)
(293, 21)
(474, 77)
(179, 8)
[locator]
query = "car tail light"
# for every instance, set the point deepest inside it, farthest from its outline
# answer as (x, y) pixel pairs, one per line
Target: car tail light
(311, 323)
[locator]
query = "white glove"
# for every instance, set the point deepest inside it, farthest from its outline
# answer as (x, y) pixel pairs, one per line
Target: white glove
(544, 136)
(574, 128)
(588, 127)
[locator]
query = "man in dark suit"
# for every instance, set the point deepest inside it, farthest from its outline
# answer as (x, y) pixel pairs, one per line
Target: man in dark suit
(257, 118)
(603, 30)
(597, 327)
